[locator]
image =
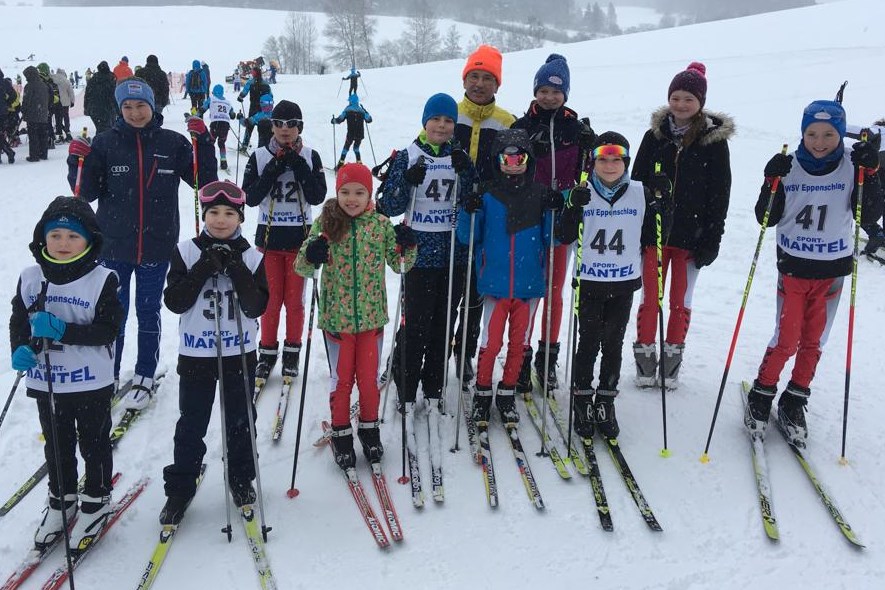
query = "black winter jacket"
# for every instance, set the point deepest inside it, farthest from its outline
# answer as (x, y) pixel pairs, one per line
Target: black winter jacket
(35, 98)
(157, 80)
(98, 98)
(699, 168)
(134, 174)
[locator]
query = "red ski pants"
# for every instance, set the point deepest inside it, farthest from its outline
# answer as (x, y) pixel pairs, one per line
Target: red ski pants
(683, 276)
(560, 266)
(496, 314)
(284, 286)
(805, 312)
(353, 358)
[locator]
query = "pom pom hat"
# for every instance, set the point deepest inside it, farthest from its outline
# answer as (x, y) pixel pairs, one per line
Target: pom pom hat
(692, 80)
(554, 73)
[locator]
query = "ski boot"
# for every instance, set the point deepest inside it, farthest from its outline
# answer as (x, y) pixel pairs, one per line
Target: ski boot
(370, 437)
(876, 240)
(791, 414)
(646, 356)
(267, 358)
(139, 395)
(95, 511)
(524, 381)
(758, 407)
(174, 509)
(672, 361)
(584, 415)
(242, 492)
(342, 446)
(68, 138)
(506, 402)
(552, 379)
(604, 413)
(52, 527)
(339, 165)
(291, 352)
(482, 404)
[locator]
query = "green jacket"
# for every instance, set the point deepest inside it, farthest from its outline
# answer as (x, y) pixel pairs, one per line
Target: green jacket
(353, 293)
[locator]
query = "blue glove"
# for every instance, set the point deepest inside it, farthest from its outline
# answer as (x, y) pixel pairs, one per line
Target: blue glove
(23, 358)
(46, 325)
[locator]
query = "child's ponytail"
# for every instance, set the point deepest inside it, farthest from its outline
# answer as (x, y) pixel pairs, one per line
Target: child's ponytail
(335, 221)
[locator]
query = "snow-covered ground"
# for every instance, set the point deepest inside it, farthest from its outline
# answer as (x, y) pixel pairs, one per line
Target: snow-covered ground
(762, 70)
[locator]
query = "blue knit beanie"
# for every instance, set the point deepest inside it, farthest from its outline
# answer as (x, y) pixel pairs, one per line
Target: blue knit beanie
(70, 223)
(440, 105)
(554, 73)
(825, 111)
(134, 89)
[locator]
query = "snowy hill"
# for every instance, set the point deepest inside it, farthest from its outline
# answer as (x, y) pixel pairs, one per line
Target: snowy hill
(762, 70)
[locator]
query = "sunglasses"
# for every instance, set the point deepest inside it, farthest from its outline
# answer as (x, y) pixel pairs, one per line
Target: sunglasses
(612, 150)
(231, 192)
(513, 160)
(287, 123)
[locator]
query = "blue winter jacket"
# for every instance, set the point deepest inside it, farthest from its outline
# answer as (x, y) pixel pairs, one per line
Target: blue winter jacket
(508, 265)
(135, 175)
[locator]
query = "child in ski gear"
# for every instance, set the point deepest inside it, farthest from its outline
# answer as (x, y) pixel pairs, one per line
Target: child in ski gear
(354, 242)
(355, 115)
(479, 119)
(98, 100)
(260, 120)
(196, 84)
(205, 275)
(814, 211)
(614, 219)
(875, 232)
(255, 88)
(422, 183)
(558, 139)
(35, 113)
(511, 230)
(139, 211)
(691, 145)
(284, 179)
(353, 77)
(72, 301)
(220, 114)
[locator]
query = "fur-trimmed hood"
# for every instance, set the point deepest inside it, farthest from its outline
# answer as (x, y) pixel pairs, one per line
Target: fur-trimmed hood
(717, 126)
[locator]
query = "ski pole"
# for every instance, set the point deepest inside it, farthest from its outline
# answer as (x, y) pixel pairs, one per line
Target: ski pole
(239, 141)
(371, 147)
(659, 252)
(293, 491)
(250, 410)
(403, 359)
(455, 448)
(448, 339)
(334, 142)
(775, 182)
(861, 172)
(216, 297)
(573, 331)
(18, 378)
(548, 301)
(80, 161)
(196, 186)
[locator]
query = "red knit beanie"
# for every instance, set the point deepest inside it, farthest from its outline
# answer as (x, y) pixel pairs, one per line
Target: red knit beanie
(692, 80)
(354, 172)
(486, 58)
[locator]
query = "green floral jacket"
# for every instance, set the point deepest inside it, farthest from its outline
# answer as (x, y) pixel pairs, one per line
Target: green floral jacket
(353, 293)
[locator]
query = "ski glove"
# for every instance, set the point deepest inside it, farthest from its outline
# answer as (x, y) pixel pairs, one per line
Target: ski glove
(24, 358)
(659, 183)
(460, 161)
(239, 99)
(317, 252)
(334, 120)
(579, 197)
(778, 166)
(866, 153)
(405, 236)
(298, 164)
(80, 147)
(473, 202)
(555, 200)
(416, 174)
(704, 257)
(586, 137)
(196, 125)
(217, 256)
(46, 325)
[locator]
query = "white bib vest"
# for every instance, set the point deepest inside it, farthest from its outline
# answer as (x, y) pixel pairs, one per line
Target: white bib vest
(818, 222)
(219, 109)
(433, 200)
(74, 368)
(286, 199)
(612, 246)
(196, 327)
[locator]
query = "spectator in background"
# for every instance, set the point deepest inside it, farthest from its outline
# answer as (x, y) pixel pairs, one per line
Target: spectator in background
(98, 100)
(122, 69)
(153, 74)
(35, 111)
(66, 101)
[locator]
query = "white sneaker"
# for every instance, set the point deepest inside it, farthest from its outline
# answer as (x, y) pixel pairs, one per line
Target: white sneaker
(139, 395)
(94, 514)
(52, 525)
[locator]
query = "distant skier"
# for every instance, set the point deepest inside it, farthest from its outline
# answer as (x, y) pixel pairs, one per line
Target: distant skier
(353, 76)
(355, 115)
(220, 114)
(196, 85)
(261, 121)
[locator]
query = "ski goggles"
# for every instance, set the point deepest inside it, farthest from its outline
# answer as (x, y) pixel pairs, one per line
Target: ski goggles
(287, 123)
(611, 150)
(222, 188)
(513, 160)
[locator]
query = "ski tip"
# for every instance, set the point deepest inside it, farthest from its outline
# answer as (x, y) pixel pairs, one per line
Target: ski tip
(705, 458)
(665, 453)
(292, 493)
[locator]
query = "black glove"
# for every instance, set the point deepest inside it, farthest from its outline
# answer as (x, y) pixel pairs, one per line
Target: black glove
(415, 175)
(586, 136)
(555, 200)
(405, 236)
(473, 202)
(217, 256)
(334, 120)
(460, 161)
(240, 116)
(298, 164)
(659, 183)
(579, 197)
(778, 166)
(317, 252)
(235, 260)
(705, 257)
(866, 153)
(239, 99)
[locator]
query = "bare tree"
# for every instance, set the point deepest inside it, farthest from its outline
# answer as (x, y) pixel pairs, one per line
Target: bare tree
(452, 44)
(350, 33)
(421, 37)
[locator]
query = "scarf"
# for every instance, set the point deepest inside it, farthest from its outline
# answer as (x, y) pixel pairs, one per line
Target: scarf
(606, 192)
(814, 165)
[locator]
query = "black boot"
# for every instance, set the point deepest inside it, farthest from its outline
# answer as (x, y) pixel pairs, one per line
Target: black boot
(506, 402)
(174, 509)
(291, 351)
(370, 437)
(604, 413)
(540, 362)
(758, 407)
(791, 413)
(482, 404)
(524, 381)
(342, 445)
(267, 358)
(584, 416)
(242, 492)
